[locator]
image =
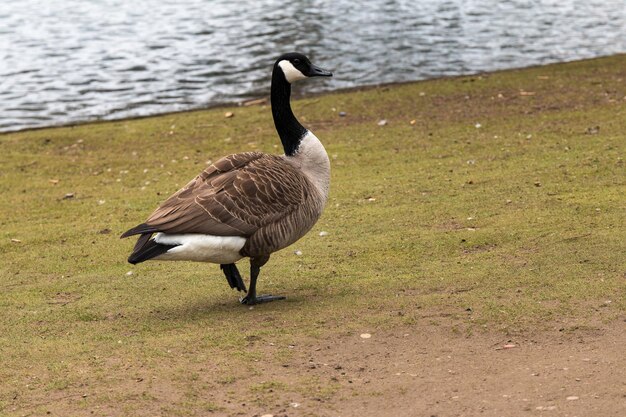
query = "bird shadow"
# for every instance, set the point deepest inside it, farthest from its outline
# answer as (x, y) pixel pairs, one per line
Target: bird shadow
(210, 308)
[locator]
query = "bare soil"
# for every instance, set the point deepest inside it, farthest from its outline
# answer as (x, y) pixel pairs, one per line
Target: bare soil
(431, 371)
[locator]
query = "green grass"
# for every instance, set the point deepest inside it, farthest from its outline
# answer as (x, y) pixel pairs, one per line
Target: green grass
(520, 219)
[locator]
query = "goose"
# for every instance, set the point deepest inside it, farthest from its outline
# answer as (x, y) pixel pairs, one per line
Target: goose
(246, 205)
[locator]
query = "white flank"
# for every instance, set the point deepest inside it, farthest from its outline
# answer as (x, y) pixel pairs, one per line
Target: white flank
(291, 73)
(201, 248)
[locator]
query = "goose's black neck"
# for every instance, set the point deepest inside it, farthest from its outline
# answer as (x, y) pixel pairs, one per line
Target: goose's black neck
(289, 129)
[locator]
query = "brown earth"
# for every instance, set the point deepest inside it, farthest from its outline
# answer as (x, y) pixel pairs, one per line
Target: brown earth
(430, 371)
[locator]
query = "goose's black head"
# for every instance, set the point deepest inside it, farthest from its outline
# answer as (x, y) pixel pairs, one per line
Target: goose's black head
(295, 66)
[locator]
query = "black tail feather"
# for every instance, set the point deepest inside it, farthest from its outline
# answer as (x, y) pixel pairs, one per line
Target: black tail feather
(139, 230)
(143, 239)
(147, 248)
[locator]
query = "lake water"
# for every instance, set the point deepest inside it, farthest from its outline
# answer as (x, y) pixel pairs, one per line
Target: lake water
(64, 61)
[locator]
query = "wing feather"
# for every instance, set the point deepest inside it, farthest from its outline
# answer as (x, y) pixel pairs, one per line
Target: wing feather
(235, 196)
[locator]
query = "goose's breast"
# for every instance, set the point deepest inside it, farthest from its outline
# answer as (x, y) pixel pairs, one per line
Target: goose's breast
(312, 161)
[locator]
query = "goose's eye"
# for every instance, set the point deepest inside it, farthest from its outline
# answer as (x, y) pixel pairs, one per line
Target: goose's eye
(296, 61)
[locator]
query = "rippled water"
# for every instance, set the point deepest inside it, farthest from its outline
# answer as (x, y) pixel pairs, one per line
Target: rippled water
(63, 61)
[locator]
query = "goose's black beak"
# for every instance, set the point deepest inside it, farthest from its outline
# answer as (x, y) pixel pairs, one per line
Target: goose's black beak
(318, 72)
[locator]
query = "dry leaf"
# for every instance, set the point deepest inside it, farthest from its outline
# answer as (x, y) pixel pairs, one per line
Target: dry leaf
(254, 102)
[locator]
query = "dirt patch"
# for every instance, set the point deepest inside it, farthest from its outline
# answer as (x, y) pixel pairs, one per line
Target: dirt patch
(420, 370)
(431, 371)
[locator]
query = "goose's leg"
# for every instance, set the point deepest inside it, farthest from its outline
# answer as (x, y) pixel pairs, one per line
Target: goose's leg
(251, 298)
(233, 277)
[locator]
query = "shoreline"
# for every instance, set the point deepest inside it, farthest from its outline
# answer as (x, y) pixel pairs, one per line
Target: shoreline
(297, 97)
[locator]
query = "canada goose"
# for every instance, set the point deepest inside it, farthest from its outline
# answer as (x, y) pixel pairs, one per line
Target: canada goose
(249, 204)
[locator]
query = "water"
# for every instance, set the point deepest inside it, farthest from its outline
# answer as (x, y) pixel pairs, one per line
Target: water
(63, 61)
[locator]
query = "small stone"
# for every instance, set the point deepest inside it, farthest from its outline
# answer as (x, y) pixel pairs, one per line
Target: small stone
(322, 233)
(68, 196)
(382, 122)
(509, 346)
(572, 398)
(298, 253)
(294, 405)
(342, 114)
(537, 184)
(412, 122)
(53, 181)
(228, 114)
(365, 335)
(16, 241)
(478, 125)
(101, 202)
(267, 415)
(129, 273)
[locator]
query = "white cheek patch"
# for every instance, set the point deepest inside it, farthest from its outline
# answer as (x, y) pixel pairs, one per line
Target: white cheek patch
(291, 73)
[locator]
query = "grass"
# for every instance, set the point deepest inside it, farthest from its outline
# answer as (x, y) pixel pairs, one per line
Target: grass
(494, 201)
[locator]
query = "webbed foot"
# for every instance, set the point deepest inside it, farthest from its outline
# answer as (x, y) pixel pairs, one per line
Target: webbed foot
(252, 300)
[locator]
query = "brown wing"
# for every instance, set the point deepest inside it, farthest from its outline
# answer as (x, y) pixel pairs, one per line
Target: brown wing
(235, 196)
